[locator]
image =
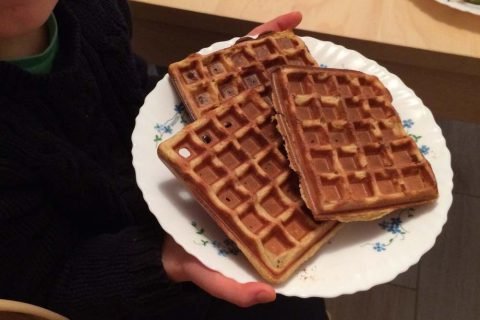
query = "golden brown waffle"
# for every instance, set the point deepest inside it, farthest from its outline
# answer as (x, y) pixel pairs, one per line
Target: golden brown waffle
(204, 81)
(232, 162)
(346, 141)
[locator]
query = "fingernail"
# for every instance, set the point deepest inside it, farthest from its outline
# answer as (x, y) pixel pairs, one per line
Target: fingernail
(264, 296)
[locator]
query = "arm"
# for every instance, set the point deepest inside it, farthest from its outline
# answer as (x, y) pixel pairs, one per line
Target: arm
(58, 250)
(115, 274)
(48, 260)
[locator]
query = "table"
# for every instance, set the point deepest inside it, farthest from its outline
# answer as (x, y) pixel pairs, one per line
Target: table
(433, 48)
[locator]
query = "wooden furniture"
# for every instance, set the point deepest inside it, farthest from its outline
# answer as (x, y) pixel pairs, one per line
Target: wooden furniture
(16, 310)
(433, 48)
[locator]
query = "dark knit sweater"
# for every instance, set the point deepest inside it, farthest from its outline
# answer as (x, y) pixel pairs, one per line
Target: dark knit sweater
(75, 233)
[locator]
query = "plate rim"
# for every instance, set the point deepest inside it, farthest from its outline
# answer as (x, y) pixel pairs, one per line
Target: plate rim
(461, 6)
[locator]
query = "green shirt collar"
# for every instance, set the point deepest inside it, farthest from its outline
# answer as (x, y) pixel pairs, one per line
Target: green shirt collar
(42, 63)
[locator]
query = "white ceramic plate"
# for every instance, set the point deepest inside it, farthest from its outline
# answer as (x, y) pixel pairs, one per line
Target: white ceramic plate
(362, 255)
(462, 5)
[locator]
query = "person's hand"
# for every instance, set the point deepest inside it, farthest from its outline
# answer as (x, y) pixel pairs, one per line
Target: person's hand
(283, 22)
(181, 266)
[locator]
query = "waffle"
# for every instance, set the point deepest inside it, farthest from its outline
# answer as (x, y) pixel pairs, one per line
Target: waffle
(347, 143)
(204, 81)
(231, 160)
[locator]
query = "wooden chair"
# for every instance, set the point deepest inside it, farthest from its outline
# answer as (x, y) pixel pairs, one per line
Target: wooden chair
(14, 310)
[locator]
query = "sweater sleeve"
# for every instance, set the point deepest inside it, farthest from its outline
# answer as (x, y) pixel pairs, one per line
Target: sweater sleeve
(114, 274)
(48, 260)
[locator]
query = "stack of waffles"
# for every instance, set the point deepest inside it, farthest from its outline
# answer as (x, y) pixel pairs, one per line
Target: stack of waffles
(281, 152)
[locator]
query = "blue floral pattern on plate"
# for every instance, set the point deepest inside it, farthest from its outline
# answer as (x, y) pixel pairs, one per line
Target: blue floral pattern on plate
(166, 128)
(408, 124)
(224, 248)
(393, 226)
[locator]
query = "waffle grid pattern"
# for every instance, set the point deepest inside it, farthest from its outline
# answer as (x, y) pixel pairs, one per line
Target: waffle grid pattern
(204, 81)
(347, 143)
(232, 161)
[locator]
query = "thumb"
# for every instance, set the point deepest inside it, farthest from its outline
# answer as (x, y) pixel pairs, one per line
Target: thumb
(240, 294)
(287, 21)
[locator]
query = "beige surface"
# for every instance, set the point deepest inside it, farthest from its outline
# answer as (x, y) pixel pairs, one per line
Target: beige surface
(421, 24)
(447, 83)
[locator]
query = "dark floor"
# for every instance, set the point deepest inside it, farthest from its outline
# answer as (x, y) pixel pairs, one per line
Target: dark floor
(445, 284)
